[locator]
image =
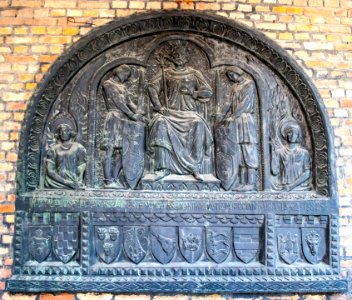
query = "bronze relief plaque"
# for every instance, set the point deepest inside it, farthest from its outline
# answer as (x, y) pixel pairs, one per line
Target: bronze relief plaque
(176, 152)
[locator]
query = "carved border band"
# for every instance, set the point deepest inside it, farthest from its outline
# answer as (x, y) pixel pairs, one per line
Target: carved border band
(18, 242)
(325, 284)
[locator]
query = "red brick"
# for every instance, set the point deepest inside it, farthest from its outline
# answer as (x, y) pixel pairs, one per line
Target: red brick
(9, 13)
(91, 296)
(62, 296)
(21, 40)
(25, 13)
(207, 6)
(11, 197)
(318, 11)
(26, 3)
(15, 106)
(346, 103)
(11, 21)
(8, 296)
(41, 22)
(169, 5)
(8, 261)
(12, 125)
(47, 58)
(21, 59)
(2, 285)
(11, 156)
(55, 39)
(5, 273)
(7, 208)
(93, 4)
(60, 4)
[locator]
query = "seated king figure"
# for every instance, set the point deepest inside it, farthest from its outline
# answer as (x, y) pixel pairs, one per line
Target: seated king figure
(179, 137)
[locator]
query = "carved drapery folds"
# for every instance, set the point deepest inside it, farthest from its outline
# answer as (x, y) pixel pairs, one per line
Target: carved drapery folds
(179, 112)
(176, 152)
(65, 160)
(95, 95)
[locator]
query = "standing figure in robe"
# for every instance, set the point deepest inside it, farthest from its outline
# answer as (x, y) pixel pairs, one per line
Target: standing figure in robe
(291, 162)
(122, 112)
(240, 146)
(179, 137)
(66, 159)
(244, 98)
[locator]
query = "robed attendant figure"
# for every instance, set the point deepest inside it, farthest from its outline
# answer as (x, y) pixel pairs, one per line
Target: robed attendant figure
(291, 162)
(66, 158)
(179, 137)
(122, 129)
(237, 135)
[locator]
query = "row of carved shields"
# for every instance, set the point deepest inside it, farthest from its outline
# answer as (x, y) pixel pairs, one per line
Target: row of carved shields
(165, 242)
(62, 240)
(313, 241)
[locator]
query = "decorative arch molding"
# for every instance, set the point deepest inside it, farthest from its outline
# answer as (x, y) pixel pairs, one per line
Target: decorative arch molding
(278, 226)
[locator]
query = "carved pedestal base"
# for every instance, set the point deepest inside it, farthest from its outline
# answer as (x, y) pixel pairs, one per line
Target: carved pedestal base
(174, 245)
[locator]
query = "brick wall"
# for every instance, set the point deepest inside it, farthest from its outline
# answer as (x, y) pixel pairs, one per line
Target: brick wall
(33, 33)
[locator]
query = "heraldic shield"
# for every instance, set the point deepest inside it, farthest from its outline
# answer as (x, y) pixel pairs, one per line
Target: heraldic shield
(65, 241)
(288, 241)
(133, 152)
(246, 243)
(107, 242)
(163, 243)
(135, 242)
(314, 244)
(226, 149)
(39, 242)
(218, 243)
(191, 240)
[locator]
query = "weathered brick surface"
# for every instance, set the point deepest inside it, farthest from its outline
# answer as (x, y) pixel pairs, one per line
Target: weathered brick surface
(33, 33)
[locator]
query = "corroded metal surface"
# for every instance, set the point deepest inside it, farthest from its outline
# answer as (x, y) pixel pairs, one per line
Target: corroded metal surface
(176, 152)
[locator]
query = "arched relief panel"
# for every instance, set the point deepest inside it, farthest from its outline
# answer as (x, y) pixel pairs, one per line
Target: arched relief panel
(184, 149)
(269, 88)
(282, 67)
